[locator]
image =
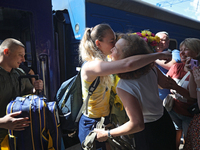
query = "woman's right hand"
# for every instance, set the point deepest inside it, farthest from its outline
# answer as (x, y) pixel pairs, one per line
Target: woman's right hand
(10, 122)
(102, 135)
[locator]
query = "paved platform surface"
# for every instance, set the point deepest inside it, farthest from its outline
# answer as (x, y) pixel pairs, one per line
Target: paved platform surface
(78, 147)
(75, 147)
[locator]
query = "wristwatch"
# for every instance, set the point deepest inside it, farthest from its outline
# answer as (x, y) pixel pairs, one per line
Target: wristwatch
(110, 136)
(198, 89)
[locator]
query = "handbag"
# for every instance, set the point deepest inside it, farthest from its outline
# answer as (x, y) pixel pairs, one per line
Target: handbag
(169, 99)
(116, 143)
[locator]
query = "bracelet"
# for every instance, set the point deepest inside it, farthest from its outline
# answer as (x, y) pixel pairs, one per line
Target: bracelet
(198, 89)
(110, 136)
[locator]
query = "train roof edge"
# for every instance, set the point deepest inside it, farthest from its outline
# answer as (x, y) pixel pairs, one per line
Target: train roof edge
(149, 10)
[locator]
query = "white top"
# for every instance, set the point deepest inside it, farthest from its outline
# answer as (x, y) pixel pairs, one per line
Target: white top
(145, 89)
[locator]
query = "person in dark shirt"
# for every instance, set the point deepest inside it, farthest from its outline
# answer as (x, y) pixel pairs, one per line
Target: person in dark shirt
(12, 54)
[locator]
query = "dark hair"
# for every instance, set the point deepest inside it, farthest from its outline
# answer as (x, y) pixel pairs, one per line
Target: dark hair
(135, 46)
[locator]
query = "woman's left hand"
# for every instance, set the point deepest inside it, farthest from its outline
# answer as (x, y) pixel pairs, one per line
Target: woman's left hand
(187, 66)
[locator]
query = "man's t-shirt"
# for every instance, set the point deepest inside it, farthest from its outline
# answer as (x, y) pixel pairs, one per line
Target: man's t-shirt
(9, 89)
(176, 56)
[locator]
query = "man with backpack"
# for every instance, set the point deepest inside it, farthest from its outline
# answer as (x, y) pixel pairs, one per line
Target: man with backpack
(12, 54)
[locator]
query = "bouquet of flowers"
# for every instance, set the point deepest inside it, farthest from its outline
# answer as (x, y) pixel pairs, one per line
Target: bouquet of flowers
(150, 38)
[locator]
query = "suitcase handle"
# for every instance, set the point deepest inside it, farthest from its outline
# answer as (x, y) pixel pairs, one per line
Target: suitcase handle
(27, 76)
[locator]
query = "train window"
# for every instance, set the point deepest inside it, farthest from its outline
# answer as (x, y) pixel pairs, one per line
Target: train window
(17, 24)
(173, 44)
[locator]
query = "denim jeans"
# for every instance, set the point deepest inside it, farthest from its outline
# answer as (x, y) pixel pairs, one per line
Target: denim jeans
(180, 122)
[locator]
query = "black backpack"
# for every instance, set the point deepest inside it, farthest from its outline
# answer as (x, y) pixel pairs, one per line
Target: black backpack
(70, 103)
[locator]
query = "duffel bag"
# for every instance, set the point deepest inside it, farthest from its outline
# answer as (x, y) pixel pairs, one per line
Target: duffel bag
(43, 133)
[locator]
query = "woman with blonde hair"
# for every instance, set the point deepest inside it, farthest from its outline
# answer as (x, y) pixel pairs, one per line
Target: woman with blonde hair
(179, 113)
(192, 141)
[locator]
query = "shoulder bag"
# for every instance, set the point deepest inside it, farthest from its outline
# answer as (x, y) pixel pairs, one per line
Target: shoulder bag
(169, 100)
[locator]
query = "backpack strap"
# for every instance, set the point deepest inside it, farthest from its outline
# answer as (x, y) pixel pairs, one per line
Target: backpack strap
(183, 79)
(91, 89)
(20, 71)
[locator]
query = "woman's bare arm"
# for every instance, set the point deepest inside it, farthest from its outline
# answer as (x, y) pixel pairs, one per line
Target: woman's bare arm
(101, 68)
(164, 65)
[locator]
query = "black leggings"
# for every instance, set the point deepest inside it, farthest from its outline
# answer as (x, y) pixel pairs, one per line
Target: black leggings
(158, 135)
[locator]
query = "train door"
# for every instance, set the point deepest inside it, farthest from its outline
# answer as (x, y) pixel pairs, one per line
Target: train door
(66, 45)
(173, 44)
(18, 24)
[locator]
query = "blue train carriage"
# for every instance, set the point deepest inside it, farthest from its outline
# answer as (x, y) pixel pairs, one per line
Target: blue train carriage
(126, 16)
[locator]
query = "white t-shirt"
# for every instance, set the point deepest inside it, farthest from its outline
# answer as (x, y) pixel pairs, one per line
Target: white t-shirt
(145, 89)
